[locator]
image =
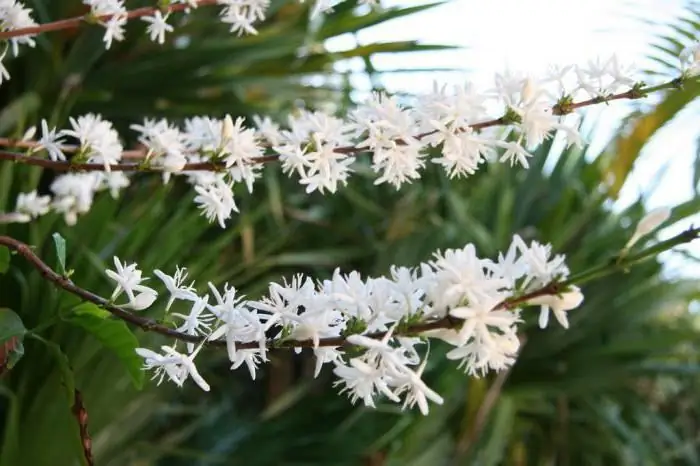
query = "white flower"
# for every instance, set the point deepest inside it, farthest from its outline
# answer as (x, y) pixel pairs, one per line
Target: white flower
(496, 353)
(251, 358)
(14, 15)
(462, 151)
(541, 268)
(327, 168)
(98, 139)
(158, 26)
(383, 123)
(559, 305)
(417, 392)
(32, 204)
(239, 149)
(74, 194)
(51, 142)
(128, 279)
(268, 130)
(114, 182)
(239, 324)
(461, 276)
(482, 320)
(114, 25)
(362, 381)
(165, 143)
(216, 201)
(514, 152)
(241, 15)
(178, 367)
(195, 323)
(176, 288)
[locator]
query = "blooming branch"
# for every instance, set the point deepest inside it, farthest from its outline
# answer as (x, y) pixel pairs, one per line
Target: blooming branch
(368, 329)
(559, 109)
(320, 149)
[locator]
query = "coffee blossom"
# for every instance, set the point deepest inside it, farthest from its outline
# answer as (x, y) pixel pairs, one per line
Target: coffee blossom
(358, 325)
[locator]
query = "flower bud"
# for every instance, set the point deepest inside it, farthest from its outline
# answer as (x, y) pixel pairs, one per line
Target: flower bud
(227, 129)
(652, 220)
(690, 56)
(143, 300)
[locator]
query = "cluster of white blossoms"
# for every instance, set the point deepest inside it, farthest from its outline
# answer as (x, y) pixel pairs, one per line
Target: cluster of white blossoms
(74, 193)
(458, 129)
(369, 330)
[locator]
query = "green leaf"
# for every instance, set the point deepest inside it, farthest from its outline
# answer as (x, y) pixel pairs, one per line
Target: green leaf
(10, 325)
(60, 243)
(4, 259)
(113, 334)
(63, 366)
(12, 333)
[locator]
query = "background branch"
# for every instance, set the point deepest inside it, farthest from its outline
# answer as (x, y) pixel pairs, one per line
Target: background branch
(561, 108)
(76, 21)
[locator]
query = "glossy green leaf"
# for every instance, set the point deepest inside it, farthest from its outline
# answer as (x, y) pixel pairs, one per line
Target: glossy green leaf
(12, 332)
(113, 334)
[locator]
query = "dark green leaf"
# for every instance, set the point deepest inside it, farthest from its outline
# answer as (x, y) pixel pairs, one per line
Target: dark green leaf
(4, 259)
(113, 334)
(64, 367)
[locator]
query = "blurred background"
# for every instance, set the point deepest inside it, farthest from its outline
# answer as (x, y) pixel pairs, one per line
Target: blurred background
(619, 387)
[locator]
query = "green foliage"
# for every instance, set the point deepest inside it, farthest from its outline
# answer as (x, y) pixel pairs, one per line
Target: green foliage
(619, 387)
(63, 365)
(202, 69)
(113, 334)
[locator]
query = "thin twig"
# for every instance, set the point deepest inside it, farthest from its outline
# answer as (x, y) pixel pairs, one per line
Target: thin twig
(63, 166)
(81, 415)
(449, 322)
(76, 21)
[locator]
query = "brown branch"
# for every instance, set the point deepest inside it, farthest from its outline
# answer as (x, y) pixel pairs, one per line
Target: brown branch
(81, 415)
(152, 325)
(559, 109)
(76, 21)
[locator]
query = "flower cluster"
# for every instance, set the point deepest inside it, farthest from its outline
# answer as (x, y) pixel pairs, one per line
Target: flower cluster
(369, 329)
(73, 193)
(458, 126)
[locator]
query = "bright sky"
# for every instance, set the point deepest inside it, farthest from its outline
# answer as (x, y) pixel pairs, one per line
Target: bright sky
(528, 35)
